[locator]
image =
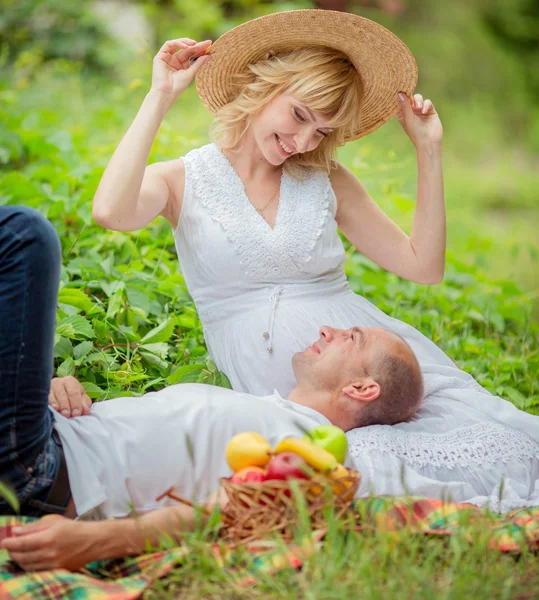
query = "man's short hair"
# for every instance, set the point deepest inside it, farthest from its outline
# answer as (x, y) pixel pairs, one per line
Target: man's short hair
(402, 390)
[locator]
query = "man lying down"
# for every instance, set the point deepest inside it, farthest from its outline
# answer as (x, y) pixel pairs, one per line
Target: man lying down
(119, 455)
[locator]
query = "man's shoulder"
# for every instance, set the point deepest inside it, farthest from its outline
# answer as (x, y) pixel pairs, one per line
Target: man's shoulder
(214, 392)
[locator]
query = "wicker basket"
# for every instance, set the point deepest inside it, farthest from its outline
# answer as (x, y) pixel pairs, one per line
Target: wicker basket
(255, 510)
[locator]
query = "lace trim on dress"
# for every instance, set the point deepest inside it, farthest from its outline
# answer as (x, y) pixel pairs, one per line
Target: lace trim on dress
(264, 252)
(500, 505)
(479, 444)
(306, 210)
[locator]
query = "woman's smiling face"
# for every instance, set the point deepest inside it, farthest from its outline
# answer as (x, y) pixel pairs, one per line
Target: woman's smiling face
(286, 127)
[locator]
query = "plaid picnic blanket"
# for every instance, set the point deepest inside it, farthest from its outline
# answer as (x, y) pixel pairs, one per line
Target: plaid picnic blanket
(127, 578)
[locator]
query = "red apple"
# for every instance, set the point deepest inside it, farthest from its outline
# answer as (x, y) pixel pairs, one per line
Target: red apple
(256, 474)
(287, 465)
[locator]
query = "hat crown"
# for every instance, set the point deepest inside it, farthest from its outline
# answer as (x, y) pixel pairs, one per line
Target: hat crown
(384, 63)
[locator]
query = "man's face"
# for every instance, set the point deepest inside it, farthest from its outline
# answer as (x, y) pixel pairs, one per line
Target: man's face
(286, 127)
(338, 357)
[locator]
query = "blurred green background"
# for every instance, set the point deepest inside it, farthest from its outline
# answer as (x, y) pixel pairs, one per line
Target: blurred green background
(478, 62)
(72, 76)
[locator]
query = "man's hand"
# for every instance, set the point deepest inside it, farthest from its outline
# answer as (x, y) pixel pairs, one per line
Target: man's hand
(218, 498)
(53, 542)
(68, 397)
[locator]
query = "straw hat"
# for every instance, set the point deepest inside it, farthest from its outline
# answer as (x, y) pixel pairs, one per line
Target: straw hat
(385, 64)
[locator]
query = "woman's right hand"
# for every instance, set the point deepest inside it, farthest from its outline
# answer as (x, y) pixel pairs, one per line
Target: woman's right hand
(174, 67)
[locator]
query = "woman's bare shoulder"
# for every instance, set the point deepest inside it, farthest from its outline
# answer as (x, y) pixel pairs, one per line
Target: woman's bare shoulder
(172, 172)
(341, 175)
(346, 186)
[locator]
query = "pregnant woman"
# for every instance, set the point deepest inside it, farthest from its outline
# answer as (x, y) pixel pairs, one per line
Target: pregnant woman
(256, 215)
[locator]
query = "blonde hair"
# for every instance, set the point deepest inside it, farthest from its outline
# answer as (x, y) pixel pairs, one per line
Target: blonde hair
(322, 78)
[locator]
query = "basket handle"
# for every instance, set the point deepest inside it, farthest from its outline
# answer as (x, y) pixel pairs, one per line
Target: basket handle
(171, 494)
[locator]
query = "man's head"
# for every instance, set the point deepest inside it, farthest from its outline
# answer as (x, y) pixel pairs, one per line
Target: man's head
(368, 376)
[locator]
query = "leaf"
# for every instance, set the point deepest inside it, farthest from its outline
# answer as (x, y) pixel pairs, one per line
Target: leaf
(498, 321)
(11, 146)
(157, 383)
(132, 322)
(116, 302)
(162, 333)
(62, 139)
(101, 329)
(66, 368)
(476, 316)
(112, 288)
(155, 361)
(190, 449)
(516, 398)
(9, 496)
(187, 321)
(212, 376)
(222, 381)
(82, 349)
(128, 333)
(75, 297)
(198, 351)
(75, 326)
(63, 347)
(159, 349)
(185, 374)
(138, 299)
(93, 390)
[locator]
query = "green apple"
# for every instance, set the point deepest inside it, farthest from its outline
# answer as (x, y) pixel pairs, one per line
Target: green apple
(330, 438)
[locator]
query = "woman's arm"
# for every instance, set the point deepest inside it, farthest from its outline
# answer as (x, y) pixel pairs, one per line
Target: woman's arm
(419, 257)
(130, 195)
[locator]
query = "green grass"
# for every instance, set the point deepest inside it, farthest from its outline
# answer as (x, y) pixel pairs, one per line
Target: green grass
(366, 565)
(126, 322)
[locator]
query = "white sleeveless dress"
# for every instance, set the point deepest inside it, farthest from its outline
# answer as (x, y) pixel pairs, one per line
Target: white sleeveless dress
(262, 294)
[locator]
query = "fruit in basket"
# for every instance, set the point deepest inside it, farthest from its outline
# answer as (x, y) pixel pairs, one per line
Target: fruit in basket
(248, 449)
(287, 465)
(249, 474)
(318, 484)
(339, 472)
(314, 456)
(330, 438)
(334, 479)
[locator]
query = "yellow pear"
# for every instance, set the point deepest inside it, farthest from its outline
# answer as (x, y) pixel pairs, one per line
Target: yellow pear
(335, 478)
(341, 484)
(339, 471)
(248, 449)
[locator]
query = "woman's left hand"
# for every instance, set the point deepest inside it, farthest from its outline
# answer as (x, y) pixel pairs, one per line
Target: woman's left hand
(420, 120)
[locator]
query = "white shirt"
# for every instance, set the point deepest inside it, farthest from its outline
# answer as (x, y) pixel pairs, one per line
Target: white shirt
(274, 288)
(130, 450)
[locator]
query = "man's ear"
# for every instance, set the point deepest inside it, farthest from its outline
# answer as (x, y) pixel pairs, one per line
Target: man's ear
(364, 390)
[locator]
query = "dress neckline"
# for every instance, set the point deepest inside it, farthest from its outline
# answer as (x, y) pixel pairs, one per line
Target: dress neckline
(264, 253)
(245, 197)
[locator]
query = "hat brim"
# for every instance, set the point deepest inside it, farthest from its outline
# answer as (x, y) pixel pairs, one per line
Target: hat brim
(384, 63)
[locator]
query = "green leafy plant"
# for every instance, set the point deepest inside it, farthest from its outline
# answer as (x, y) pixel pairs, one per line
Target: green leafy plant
(33, 31)
(9, 496)
(126, 323)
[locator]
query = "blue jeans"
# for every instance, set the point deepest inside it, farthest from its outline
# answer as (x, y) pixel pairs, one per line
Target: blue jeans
(30, 260)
